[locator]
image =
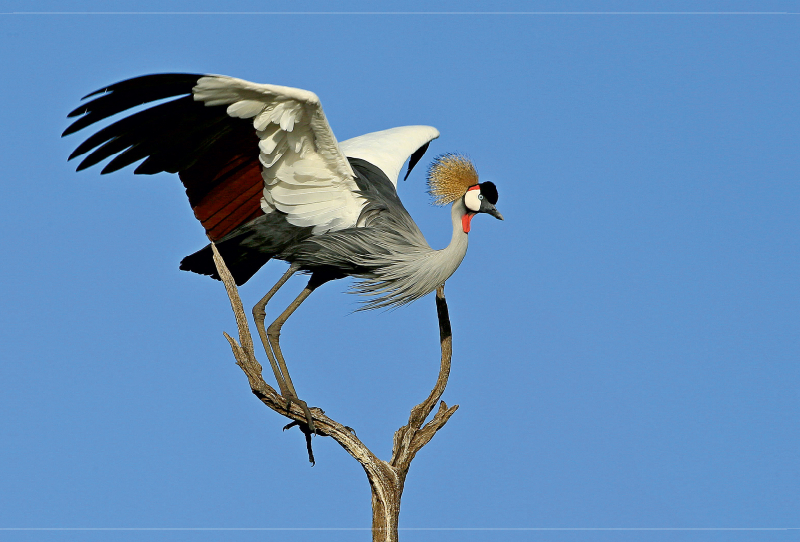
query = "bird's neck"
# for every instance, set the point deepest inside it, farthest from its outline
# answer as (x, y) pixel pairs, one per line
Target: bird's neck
(457, 213)
(452, 255)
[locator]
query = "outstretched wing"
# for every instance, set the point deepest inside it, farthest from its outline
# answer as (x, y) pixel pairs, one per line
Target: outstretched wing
(241, 149)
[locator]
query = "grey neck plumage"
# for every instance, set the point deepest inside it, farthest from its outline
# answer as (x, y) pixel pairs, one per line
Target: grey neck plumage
(405, 276)
(450, 257)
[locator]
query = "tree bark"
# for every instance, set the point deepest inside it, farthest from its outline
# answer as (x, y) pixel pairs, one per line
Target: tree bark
(386, 479)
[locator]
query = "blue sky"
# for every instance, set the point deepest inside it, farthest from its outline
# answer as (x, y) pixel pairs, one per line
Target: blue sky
(626, 341)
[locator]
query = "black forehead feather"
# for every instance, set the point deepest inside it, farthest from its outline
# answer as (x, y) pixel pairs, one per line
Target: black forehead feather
(489, 191)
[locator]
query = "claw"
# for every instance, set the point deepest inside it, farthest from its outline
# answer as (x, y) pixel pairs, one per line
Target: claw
(308, 447)
(308, 428)
(289, 426)
(304, 428)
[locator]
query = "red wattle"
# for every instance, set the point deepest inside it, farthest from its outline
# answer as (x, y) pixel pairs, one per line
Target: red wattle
(465, 220)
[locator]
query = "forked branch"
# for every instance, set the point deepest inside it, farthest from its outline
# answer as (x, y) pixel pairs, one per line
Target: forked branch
(386, 479)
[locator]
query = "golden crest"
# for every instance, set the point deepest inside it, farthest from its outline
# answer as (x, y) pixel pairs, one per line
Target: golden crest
(449, 177)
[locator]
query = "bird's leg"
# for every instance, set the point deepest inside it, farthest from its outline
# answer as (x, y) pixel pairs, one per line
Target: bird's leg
(273, 335)
(259, 314)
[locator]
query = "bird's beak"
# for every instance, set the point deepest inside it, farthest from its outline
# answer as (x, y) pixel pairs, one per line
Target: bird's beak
(489, 208)
(494, 212)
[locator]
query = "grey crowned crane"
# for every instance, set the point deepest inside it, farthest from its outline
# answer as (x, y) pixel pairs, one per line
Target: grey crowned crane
(267, 179)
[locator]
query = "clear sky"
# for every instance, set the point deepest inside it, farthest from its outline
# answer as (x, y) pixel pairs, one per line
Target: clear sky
(626, 341)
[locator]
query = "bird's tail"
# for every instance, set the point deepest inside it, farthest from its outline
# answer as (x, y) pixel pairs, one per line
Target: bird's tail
(247, 248)
(242, 263)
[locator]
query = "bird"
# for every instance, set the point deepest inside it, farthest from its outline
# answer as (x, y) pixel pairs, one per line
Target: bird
(267, 179)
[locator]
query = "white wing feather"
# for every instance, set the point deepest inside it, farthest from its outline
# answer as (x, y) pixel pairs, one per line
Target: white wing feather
(389, 149)
(305, 173)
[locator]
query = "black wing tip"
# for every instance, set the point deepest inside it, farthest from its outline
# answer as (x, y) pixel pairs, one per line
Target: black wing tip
(158, 78)
(88, 162)
(82, 166)
(95, 93)
(118, 98)
(127, 86)
(71, 129)
(110, 168)
(415, 158)
(80, 110)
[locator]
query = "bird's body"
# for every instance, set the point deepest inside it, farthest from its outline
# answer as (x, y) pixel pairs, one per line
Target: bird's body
(267, 179)
(387, 250)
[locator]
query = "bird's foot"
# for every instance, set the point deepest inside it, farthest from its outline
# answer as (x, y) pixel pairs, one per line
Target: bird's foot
(307, 433)
(291, 398)
(304, 428)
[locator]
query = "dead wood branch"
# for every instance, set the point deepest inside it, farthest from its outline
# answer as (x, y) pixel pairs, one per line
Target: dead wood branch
(386, 479)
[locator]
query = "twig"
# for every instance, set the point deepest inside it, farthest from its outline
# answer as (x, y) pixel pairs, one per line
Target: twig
(386, 479)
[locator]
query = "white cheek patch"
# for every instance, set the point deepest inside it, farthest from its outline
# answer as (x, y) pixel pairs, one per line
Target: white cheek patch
(471, 200)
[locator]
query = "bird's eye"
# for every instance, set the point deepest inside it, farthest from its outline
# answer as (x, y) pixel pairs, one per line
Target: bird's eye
(480, 196)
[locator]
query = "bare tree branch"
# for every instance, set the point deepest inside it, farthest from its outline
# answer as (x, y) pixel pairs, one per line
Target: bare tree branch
(386, 479)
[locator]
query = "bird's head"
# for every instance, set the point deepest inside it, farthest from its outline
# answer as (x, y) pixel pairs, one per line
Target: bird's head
(453, 177)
